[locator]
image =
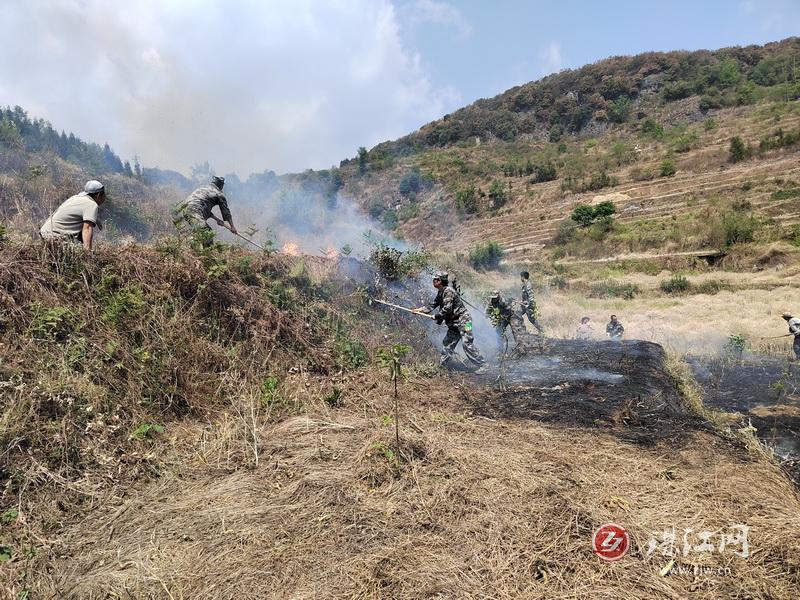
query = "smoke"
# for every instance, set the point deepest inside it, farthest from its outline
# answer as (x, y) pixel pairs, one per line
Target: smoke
(243, 84)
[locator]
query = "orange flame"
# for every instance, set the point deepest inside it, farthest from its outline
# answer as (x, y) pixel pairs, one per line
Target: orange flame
(331, 253)
(291, 248)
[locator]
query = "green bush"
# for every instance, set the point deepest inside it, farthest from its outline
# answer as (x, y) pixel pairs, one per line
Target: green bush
(497, 194)
(613, 289)
(739, 229)
(544, 172)
(677, 284)
(738, 151)
(585, 214)
(410, 182)
(668, 168)
(652, 129)
(467, 200)
(52, 322)
(486, 255)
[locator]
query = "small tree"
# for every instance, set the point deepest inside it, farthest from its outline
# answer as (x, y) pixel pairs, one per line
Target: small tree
(392, 359)
(362, 160)
(497, 194)
(668, 168)
(738, 151)
(467, 200)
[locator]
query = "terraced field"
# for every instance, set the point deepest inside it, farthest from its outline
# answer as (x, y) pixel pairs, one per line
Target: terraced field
(705, 178)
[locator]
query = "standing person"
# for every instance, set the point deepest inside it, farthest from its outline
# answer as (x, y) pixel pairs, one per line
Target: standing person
(794, 329)
(454, 314)
(529, 302)
(584, 330)
(614, 329)
(502, 316)
(76, 218)
(196, 209)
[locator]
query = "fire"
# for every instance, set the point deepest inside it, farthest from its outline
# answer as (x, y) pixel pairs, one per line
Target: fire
(291, 248)
(331, 253)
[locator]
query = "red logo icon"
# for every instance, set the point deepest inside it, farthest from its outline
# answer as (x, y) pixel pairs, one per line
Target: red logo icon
(610, 542)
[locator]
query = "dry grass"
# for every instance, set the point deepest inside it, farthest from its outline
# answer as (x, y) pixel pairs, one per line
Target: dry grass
(485, 509)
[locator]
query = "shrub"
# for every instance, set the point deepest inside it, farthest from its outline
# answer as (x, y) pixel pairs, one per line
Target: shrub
(668, 168)
(389, 219)
(600, 181)
(410, 182)
(676, 284)
(486, 255)
(544, 172)
(652, 129)
(467, 200)
(585, 214)
(51, 322)
(613, 289)
(565, 232)
(497, 194)
(739, 229)
(738, 151)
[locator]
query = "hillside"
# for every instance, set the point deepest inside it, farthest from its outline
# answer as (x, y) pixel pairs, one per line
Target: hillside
(217, 424)
(666, 165)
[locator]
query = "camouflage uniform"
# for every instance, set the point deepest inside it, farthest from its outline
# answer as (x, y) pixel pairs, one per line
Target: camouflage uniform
(614, 329)
(529, 306)
(459, 326)
(502, 315)
(197, 207)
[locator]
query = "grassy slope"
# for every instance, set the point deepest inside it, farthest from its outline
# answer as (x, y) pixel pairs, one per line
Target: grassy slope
(256, 488)
(665, 214)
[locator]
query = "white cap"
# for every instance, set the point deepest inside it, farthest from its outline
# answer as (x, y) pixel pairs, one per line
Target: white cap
(93, 187)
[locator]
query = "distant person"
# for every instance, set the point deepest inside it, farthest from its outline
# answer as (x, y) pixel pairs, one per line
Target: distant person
(454, 314)
(196, 209)
(529, 302)
(794, 329)
(614, 329)
(76, 218)
(584, 330)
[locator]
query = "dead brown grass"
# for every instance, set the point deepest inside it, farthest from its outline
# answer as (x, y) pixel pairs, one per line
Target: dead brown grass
(485, 509)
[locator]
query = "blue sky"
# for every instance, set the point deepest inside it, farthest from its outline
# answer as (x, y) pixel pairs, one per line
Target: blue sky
(486, 47)
(287, 85)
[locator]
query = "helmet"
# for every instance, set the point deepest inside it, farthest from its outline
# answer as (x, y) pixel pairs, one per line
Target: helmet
(442, 276)
(495, 295)
(93, 187)
(218, 181)
(786, 316)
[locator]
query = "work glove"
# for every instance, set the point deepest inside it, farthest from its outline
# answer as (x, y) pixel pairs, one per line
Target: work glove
(439, 318)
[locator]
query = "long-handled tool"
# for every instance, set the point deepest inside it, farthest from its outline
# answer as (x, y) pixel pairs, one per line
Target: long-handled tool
(236, 233)
(410, 310)
(775, 337)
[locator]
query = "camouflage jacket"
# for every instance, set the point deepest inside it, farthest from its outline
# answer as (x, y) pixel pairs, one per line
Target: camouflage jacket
(501, 313)
(206, 197)
(615, 329)
(450, 306)
(527, 295)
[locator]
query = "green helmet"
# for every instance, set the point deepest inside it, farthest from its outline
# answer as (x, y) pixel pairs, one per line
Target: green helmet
(442, 276)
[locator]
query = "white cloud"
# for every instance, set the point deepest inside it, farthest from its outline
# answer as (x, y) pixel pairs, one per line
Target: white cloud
(247, 85)
(550, 59)
(439, 13)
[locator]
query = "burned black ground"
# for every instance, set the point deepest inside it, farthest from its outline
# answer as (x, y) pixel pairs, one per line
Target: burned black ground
(621, 387)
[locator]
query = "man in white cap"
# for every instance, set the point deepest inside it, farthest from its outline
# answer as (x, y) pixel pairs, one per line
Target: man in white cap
(794, 329)
(76, 218)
